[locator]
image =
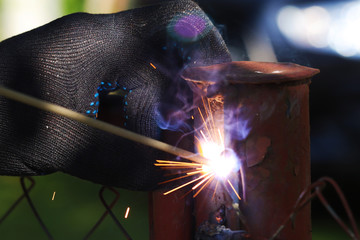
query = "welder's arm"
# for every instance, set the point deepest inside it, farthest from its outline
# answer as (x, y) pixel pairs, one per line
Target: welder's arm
(78, 59)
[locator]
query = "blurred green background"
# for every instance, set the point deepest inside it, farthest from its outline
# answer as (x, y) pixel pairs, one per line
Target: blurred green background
(17, 16)
(73, 212)
(76, 206)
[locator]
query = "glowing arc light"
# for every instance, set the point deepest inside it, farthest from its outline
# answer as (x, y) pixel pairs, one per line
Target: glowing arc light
(220, 162)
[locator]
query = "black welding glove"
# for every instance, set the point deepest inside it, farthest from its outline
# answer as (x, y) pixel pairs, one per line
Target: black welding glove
(75, 60)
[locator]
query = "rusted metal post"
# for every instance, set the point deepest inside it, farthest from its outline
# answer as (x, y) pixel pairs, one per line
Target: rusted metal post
(170, 216)
(215, 206)
(266, 122)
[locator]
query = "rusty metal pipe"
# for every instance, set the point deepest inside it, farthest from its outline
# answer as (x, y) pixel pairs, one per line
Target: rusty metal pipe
(266, 114)
(215, 207)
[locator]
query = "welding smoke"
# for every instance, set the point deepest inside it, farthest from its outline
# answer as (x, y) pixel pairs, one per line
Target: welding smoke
(192, 40)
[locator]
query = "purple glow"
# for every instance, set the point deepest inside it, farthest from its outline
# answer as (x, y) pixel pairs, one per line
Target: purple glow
(237, 123)
(190, 26)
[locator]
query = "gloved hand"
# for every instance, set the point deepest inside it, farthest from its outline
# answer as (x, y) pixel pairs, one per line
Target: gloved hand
(77, 59)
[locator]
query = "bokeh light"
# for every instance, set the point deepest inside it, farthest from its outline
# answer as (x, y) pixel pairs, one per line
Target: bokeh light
(331, 27)
(17, 16)
(188, 27)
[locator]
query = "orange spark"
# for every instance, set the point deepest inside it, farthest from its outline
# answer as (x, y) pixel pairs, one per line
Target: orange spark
(127, 212)
(181, 177)
(175, 163)
(207, 183)
(205, 124)
(196, 172)
(213, 196)
(209, 115)
(151, 64)
(189, 171)
(205, 138)
(197, 185)
(234, 189)
(221, 139)
(185, 184)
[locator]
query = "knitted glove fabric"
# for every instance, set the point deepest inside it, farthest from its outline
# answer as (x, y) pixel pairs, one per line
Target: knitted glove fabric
(73, 62)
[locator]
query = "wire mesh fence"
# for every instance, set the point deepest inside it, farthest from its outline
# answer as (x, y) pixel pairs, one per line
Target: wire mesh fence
(109, 218)
(62, 207)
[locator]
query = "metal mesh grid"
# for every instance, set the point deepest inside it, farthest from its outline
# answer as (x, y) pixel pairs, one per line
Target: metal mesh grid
(316, 190)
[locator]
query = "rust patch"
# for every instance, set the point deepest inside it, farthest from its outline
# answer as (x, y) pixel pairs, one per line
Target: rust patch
(256, 177)
(256, 149)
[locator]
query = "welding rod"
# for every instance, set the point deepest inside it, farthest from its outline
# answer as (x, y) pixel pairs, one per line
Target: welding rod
(50, 107)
